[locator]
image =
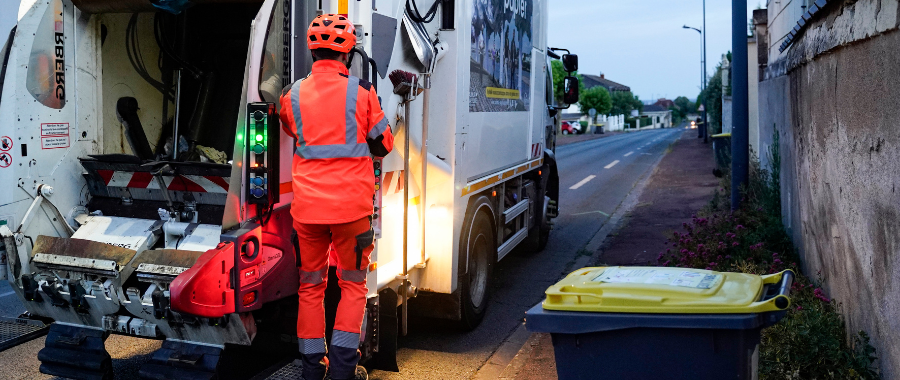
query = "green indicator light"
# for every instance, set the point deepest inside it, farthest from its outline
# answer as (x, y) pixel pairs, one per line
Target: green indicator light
(240, 137)
(259, 137)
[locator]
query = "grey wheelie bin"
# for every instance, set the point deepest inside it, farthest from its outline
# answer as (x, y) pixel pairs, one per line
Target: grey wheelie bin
(642, 323)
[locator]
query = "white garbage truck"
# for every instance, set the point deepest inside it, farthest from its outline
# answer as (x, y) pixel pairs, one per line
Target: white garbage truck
(147, 186)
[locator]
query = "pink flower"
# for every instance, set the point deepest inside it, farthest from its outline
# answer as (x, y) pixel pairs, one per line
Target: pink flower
(735, 244)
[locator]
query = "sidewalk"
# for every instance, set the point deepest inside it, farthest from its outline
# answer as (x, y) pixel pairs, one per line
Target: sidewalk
(682, 184)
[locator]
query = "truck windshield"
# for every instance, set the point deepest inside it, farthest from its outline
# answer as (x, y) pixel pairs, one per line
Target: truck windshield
(4, 58)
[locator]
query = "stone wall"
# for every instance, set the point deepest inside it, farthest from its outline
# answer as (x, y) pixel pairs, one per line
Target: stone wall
(831, 100)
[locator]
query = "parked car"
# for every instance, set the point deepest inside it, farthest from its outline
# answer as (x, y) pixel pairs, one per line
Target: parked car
(571, 127)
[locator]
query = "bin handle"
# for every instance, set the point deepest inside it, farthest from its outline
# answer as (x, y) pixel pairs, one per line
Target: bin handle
(784, 289)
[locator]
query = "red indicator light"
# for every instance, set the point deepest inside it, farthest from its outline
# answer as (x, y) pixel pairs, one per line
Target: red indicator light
(249, 298)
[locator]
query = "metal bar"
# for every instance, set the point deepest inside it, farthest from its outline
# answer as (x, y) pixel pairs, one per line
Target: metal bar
(514, 211)
(424, 154)
(405, 285)
(740, 136)
(508, 246)
(177, 114)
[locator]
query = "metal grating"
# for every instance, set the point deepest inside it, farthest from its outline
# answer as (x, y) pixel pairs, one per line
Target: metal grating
(15, 331)
(288, 372)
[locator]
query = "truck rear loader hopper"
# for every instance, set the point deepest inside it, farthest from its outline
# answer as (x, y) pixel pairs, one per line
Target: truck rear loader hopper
(153, 187)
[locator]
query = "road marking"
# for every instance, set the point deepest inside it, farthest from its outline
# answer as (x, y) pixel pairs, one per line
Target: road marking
(7, 294)
(584, 181)
(591, 212)
(611, 164)
(629, 153)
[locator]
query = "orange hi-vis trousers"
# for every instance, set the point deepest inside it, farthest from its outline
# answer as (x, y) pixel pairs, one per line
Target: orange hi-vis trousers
(353, 243)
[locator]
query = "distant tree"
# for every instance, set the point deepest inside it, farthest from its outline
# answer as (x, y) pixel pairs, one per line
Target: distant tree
(712, 98)
(559, 73)
(597, 98)
(682, 108)
(623, 102)
(684, 104)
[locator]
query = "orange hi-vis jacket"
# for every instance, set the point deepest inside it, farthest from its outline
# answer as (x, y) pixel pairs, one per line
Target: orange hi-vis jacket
(338, 123)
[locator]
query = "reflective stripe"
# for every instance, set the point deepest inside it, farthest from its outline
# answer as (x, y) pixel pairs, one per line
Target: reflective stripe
(352, 275)
(345, 339)
(351, 148)
(352, 93)
(378, 129)
(332, 151)
(312, 346)
(313, 278)
(295, 107)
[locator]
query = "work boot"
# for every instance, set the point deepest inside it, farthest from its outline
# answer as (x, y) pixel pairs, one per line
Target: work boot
(361, 374)
(315, 367)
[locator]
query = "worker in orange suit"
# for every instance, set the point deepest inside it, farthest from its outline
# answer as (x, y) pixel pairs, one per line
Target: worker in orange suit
(338, 124)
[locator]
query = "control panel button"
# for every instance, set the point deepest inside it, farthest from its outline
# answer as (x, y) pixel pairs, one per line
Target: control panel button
(259, 149)
(258, 181)
(259, 193)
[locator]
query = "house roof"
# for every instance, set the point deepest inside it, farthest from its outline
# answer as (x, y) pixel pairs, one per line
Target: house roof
(591, 81)
(654, 108)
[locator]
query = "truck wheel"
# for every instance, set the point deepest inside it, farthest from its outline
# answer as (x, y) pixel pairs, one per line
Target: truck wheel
(480, 249)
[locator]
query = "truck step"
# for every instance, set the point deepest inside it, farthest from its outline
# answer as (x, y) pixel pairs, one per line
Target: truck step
(15, 331)
(182, 360)
(76, 352)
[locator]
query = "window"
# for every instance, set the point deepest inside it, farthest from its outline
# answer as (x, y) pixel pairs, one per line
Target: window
(275, 68)
(46, 77)
(4, 57)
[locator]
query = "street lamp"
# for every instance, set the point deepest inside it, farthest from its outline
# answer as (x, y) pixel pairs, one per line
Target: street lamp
(700, 132)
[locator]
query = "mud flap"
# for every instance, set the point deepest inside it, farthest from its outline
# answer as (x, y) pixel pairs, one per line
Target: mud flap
(182, 360)
(76, 352)
(386, 357)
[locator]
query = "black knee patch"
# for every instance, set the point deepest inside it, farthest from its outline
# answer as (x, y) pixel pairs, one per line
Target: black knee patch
(363, 240)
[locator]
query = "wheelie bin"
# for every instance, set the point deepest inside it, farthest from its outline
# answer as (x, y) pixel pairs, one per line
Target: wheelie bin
(659, 323)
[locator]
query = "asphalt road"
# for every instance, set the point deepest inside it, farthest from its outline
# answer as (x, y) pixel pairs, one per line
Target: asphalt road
(595, 177)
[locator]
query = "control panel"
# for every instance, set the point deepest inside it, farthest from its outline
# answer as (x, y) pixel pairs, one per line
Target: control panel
(262, 150)
(376, 200)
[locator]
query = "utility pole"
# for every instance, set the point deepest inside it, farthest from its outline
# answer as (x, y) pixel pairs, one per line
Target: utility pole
(740, 136)
(705, 80)
(702, 71)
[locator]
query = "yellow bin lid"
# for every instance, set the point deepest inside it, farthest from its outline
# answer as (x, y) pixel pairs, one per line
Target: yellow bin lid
(668, 291)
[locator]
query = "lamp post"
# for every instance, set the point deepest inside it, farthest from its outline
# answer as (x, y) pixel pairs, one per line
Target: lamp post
(700, 128)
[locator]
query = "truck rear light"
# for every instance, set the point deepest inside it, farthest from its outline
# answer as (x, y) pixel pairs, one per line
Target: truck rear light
(249, 298)
(373, 266)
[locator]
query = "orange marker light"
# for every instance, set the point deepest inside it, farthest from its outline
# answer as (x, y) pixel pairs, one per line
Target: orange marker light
(539, 172)
(494, 193)
(373, 267)
(249, 298)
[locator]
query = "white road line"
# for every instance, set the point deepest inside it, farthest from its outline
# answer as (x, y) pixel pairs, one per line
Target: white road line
(629, 153)
(7, 294)
(584, 181)
(611, 164)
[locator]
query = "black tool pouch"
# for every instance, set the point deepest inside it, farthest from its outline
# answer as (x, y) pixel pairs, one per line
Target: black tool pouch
(295, 240)
(363, 240)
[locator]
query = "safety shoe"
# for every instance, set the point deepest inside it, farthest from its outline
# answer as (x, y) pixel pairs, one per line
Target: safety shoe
(361, 374)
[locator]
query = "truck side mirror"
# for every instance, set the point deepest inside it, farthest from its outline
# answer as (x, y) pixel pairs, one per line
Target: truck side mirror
(570, 62)
(570, 90)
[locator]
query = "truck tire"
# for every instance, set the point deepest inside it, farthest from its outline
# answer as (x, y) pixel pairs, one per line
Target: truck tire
(481, 253)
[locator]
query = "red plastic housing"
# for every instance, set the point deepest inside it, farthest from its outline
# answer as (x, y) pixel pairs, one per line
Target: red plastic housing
(205, 289)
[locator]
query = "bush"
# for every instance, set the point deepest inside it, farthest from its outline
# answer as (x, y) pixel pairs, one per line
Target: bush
(811, 341)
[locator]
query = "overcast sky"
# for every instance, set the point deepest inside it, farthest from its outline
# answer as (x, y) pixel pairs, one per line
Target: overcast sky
(641, 43)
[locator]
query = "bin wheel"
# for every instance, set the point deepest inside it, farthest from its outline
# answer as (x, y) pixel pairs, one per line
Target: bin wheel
(481, 251)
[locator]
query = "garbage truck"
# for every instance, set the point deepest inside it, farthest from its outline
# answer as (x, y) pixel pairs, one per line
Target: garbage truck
(147, 185)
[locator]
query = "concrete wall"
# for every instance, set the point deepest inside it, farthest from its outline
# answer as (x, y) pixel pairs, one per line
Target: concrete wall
(830, 98)
(753, 93)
